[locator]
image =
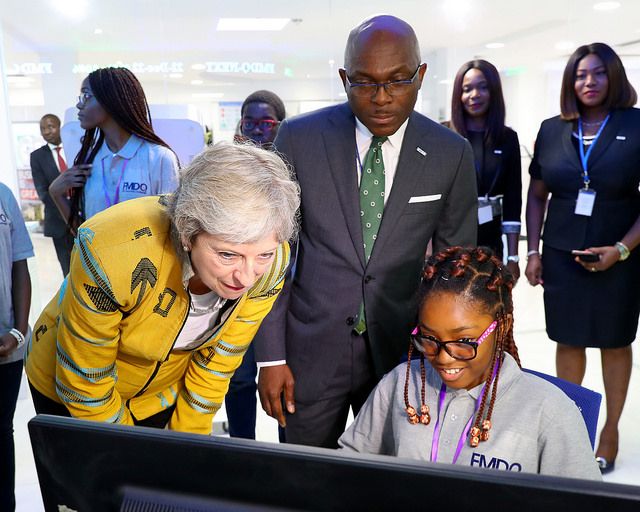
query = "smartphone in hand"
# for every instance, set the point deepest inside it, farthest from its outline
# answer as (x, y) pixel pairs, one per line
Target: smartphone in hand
(586, 256)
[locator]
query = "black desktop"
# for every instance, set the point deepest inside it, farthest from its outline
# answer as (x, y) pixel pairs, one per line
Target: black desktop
(88, 466)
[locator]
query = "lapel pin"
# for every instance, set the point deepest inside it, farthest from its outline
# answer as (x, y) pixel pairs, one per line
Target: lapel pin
(421, 151)
(620, 137)
(497, 151)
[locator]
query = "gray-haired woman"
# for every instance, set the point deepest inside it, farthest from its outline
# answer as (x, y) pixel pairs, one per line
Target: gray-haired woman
(165, 295)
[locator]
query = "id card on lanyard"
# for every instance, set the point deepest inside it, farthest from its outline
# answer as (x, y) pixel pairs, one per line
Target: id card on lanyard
(586, 196)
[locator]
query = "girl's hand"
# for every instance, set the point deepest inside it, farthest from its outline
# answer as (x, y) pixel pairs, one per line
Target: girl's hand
(73, 177)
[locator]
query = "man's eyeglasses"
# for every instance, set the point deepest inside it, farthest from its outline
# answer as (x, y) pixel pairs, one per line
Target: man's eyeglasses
(394, 88)
(84, 97)
(463, 349)
(263, 124)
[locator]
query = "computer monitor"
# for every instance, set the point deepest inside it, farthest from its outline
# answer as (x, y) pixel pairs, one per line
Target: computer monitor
(90, 466)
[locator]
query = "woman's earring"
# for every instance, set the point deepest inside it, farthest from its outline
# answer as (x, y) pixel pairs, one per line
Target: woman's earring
(185, 248)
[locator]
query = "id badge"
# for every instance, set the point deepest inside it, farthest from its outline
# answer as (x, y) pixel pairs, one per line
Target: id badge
(485, 214)
(584, 204)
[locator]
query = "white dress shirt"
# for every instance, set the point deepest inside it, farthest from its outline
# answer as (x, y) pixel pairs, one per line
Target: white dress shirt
(390, 152)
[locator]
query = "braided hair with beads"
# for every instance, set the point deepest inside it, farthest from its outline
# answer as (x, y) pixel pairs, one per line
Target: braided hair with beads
(474, 273)
(120, 94)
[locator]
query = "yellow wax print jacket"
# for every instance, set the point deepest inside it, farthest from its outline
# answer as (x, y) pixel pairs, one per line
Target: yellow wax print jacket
(103, 345)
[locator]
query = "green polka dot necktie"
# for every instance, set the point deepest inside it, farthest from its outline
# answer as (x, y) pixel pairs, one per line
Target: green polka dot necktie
(371, 205)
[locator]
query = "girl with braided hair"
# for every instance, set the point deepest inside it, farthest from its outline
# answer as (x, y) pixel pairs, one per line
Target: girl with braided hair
(472, 405)
(121, 157)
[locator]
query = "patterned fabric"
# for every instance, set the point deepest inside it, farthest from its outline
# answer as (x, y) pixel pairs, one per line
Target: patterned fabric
(372, 193)
(371, 205)
(104, 343)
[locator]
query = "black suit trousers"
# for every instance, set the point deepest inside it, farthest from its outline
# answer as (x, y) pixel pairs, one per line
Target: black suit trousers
(322, 422)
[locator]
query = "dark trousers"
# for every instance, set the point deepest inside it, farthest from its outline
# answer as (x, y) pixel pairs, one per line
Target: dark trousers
(240, 401)
(10, 376)
(322, 422)
(63, 245)
(44, 405)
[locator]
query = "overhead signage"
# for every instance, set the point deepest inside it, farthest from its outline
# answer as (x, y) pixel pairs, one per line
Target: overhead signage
(139, 67)
(30, 68)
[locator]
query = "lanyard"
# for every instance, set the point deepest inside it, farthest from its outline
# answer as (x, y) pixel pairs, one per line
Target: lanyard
(463, 437)
(116, 198)
(584, 157)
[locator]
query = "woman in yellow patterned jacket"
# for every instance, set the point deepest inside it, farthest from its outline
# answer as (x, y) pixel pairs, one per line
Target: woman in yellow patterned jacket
(165, 295)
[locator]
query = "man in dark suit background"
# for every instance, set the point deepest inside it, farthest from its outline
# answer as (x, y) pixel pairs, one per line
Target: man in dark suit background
(344, 319)
(47, 163)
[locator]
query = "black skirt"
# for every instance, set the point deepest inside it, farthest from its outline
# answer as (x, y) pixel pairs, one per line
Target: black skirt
(590, 309)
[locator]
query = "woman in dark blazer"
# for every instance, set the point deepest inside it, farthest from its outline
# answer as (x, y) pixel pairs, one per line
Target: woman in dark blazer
(477, 113)
(588, 159)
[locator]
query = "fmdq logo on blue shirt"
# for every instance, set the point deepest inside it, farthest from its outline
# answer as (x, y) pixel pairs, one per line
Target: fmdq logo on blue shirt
(133, 187)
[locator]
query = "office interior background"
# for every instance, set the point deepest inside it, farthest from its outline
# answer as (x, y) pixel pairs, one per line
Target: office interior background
(199, 60)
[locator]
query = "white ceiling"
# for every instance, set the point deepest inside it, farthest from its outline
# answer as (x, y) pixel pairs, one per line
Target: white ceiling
(154, 31)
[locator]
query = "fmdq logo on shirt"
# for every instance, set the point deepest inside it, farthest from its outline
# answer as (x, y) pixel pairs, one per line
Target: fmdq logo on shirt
(136, 188)
(479, 460)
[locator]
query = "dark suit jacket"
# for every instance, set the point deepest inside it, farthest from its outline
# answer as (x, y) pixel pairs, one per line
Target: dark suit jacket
(311, 323)
(44, 171)
(614, 171)
(501, 174)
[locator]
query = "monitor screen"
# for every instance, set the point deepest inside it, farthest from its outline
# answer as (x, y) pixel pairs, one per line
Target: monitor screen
(89, 466)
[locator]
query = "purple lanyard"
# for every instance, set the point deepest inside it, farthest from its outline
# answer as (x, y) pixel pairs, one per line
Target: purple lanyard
(116, 198)
(463, 437)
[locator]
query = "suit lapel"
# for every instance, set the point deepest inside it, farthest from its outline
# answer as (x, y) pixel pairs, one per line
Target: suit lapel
(607, 136)
(51, 164)
(567, 143)
(340, 148)
(410, 166)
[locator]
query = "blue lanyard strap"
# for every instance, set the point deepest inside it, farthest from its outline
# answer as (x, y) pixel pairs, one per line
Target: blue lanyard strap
(584, 157)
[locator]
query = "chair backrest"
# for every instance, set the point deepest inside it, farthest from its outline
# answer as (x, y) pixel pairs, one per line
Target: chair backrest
(588, 401)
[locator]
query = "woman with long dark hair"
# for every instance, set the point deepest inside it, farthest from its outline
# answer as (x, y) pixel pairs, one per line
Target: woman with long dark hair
(588, 159)
(478, 114)
(121, 157)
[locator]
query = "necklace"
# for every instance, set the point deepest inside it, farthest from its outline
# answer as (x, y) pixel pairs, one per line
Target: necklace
(595, 123)
(587, 140)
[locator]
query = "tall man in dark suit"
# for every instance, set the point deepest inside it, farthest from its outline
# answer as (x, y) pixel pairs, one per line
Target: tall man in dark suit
(47, 163)
(378, 182)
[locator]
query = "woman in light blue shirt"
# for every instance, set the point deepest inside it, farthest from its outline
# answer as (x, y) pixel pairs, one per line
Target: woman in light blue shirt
(121, 157)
